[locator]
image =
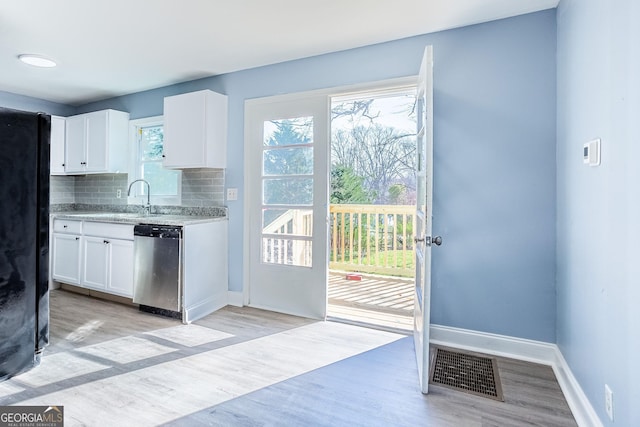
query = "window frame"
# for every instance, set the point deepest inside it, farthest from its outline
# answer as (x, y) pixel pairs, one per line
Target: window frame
(135, 170)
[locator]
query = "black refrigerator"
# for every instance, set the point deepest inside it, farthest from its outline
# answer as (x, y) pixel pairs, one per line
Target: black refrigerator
(24, 239)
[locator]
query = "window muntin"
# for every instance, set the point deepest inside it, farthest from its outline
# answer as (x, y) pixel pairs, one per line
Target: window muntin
(287, 191)
(166, 184)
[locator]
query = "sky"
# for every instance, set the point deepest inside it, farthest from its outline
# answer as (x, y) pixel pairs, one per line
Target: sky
(394, 112)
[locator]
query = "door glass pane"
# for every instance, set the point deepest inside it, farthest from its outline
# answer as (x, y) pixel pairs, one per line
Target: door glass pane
(288, 191)
(293, 222)
(298, 130)
(287, 151)
(286, 251)
(288, 161)
(420, 111)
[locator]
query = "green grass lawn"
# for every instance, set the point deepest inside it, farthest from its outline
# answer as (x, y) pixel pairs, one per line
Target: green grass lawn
(398, 259)
(399, 263)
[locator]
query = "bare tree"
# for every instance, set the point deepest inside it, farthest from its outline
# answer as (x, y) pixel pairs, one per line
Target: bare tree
(354, 110)
(381, 155)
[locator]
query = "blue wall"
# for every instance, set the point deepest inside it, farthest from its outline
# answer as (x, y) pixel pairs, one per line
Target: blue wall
(499, 194)
(26, 103)
(495, 92)
(598, 230)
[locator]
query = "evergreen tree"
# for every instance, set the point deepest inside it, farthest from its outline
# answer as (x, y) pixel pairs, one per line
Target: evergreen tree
(347, 187)
(281, 162)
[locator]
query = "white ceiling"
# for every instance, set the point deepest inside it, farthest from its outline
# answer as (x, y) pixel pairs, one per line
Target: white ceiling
(114, 47)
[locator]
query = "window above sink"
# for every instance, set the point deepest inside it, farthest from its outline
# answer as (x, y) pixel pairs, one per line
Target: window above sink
(147, 138)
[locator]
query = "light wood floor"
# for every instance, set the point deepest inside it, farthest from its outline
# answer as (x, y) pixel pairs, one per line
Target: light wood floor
(385, 302)
(110, 365)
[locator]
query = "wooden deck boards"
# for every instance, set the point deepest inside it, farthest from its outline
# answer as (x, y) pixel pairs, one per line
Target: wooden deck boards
(383, 302)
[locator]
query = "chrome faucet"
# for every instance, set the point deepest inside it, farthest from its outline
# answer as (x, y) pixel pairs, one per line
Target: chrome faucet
(147, 208)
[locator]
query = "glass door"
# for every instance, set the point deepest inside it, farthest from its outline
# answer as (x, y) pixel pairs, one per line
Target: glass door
(424, 217)
(287, 184)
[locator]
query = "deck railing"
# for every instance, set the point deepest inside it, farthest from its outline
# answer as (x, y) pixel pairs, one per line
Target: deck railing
(372, 239)
(279, 244)
(363, 238)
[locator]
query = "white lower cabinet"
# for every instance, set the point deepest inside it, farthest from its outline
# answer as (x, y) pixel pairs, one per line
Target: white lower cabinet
(100, 258)
(94, 268)
(108, 257)
(108, 265)
(206, 278)
(120, 267)
(66, 259)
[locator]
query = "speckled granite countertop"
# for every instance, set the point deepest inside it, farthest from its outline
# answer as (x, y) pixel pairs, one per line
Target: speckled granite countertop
(135, 218)
(131, 214)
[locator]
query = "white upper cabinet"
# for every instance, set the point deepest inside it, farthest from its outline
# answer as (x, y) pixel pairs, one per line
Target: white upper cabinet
(195, 130)
(56, 144)
(76, 141)
(97, 142)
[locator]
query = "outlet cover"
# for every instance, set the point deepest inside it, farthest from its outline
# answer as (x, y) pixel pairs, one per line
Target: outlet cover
(118, 193)
(232, 194)
(608, 401)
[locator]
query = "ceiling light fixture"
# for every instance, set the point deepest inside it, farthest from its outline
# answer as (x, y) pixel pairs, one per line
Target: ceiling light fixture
(37, 60)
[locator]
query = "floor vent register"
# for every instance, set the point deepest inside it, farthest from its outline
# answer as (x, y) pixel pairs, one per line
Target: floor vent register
(466, 372)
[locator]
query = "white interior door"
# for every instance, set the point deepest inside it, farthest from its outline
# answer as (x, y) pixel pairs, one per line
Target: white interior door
(424, 217)
(287, 143)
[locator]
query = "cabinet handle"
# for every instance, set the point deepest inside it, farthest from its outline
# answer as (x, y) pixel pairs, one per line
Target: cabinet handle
(64, 226)
(77, 238)
(63, 165)
(83, 163)
(106, 242)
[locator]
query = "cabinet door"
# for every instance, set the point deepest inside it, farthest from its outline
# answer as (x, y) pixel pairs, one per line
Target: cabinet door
(94, 271)
(120, 267)
(184, 130)
(75, 133)
(66, 258)
(57, 143)
(96, 144)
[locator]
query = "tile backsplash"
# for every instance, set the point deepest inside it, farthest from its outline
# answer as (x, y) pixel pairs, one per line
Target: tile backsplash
(101, 189)
(203, 187)
(62, 190)
(200, 188)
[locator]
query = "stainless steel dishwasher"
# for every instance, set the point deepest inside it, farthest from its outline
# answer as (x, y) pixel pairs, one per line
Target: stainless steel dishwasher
(157, 252)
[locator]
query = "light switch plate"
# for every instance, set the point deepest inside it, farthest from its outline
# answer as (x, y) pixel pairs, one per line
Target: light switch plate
(591, 153)
(232, 194)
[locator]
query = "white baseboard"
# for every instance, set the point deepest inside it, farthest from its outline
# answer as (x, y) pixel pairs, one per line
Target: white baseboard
(497, 345)
(582, 410)
(527, 350)
(235, 298)
(207, 306)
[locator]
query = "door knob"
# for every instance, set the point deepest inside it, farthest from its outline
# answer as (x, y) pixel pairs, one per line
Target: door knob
(437, 240)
